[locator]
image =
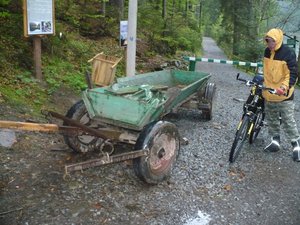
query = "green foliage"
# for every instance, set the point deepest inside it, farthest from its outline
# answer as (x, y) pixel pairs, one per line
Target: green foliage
(238, 27)
(23, 91)
(89, 17)
(59, 72)
(216, 30)
(211, 17)
(252, 50)
(68, 11)
(121, 68)
(88, 28)
(13, 49)
(4, 14)
(4, 2)
(168, 35)
(189, 40)
(25, 78)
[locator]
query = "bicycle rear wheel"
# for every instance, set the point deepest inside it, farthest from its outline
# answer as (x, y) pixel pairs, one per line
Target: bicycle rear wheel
(257, 126)
(240, 137)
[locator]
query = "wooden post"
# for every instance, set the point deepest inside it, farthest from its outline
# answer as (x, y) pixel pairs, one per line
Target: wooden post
(298, 62)
(131, 38)
(125, 58)
(37, 57)
(192, 66)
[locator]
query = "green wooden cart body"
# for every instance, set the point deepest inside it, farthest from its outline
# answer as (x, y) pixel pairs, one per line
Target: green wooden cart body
(134, 102)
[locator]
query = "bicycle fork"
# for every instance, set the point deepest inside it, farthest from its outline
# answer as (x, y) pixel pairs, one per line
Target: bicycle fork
(250, 128)
(251, 124)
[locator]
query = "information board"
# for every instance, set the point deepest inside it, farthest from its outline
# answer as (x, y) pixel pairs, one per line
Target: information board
(123, 33)
(38, 17)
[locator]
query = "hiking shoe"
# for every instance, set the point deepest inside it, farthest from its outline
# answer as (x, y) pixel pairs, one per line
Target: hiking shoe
(274, 146)
(296, 150)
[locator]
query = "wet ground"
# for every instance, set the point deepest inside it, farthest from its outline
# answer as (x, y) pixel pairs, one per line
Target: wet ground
(204, 188)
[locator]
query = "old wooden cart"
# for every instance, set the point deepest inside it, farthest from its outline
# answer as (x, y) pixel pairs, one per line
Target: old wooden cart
(131, 112)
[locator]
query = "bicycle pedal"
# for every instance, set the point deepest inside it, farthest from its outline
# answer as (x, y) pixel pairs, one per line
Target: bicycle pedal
(264, 123)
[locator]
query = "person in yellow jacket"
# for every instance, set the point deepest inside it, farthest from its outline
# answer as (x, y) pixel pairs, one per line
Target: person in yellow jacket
(280, 73)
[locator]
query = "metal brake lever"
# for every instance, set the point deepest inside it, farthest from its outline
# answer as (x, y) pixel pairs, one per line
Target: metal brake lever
(272, 91)
(248, 83)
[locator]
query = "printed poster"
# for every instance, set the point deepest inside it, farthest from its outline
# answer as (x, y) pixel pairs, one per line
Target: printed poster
(123, 33)
(40, 17)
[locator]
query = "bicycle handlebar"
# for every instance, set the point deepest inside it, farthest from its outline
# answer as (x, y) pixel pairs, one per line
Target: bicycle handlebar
(262, 87)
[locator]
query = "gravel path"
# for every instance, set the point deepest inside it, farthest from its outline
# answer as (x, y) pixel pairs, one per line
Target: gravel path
(262, 188)
(204, 189)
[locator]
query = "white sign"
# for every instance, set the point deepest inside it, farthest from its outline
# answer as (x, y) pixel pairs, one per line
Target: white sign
(39, 17)
(123, 32)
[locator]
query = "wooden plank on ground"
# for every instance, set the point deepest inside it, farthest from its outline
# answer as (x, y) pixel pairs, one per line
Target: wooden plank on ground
(29, 126)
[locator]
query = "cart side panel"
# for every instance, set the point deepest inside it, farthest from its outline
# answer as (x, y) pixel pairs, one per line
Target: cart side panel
(168, 78)
(188, 77)
(190, 83)
(117, 110)
(163, 77)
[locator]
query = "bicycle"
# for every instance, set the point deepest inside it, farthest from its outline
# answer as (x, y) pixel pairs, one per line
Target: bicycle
(253, 116)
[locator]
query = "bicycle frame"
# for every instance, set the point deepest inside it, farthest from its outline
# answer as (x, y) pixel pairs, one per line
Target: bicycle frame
(254, 104)
(252, 118)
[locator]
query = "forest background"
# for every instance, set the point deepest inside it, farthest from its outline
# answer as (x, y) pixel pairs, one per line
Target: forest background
(166, 30)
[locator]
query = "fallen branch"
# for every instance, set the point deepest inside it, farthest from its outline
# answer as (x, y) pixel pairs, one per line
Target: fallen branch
(10, 211)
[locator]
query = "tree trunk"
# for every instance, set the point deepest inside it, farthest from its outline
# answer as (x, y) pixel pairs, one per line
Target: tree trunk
(236, 33)
(186, 7)
(200, 14)
(103, 7)
(298, 67)
(164, 9)
(121, 9)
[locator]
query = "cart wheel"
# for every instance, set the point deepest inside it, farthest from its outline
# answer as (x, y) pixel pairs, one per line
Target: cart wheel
(207, 101)
(84, 142)
(162, 140)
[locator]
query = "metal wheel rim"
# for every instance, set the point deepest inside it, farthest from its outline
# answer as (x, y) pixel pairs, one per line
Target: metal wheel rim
(162, 153)
(240, 141)
(86, 139)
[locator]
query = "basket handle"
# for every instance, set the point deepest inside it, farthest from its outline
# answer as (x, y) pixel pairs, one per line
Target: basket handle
(116, 63)
(95, 57)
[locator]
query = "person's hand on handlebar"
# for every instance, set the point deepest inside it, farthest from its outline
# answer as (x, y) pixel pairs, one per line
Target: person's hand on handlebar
(281, 90)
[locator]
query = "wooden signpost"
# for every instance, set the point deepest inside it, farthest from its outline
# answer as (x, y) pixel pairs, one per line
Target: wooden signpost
(39, 20)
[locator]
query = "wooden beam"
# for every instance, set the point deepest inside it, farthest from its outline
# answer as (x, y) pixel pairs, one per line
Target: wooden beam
(29, 126)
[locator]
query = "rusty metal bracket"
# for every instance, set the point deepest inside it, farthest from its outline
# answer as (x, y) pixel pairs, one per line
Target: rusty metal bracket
(105, 160)
(102, 133)
(78, 124)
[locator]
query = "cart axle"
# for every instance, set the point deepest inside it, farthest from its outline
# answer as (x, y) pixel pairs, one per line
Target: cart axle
(106, 160)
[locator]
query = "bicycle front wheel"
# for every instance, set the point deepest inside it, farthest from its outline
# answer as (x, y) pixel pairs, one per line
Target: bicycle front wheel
(240, 137)
(257, 126)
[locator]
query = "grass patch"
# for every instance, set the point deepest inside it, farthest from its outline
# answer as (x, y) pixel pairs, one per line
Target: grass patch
(60, 72)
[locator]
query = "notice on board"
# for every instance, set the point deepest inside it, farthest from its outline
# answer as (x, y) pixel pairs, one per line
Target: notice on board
(123, 33)
(38, 17)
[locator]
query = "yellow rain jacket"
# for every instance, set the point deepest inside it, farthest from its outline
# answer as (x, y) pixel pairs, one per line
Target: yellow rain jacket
(280, 68)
